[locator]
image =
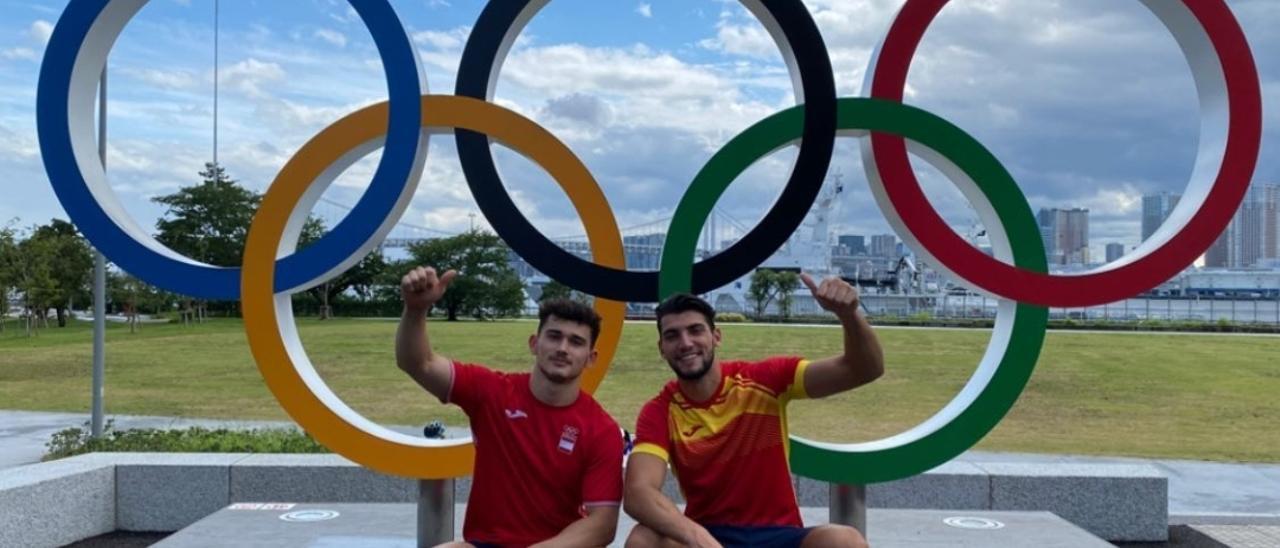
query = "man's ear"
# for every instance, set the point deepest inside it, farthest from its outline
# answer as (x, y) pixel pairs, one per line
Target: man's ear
(533, 343)
(591, 358)
(715, 336)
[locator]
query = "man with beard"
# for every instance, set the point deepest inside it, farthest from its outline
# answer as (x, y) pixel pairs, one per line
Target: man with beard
(722, 428)
(548, 457)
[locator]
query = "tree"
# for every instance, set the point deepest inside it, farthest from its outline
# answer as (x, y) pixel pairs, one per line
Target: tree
(361, 278)
(8, 270)
(55, 271)
(208, 222)
(766, 285)
(130, 296)
(486, 285)
(556, 290)
(785, 283)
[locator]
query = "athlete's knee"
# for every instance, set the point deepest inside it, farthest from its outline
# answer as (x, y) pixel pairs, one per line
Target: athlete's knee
(835, 535)
(643, 537)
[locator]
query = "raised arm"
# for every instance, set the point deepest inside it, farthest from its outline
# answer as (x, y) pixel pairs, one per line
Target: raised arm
(862, 360)
(420, 289)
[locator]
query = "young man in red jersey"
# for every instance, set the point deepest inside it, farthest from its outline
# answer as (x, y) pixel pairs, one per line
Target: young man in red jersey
(722, 427)
(548, 457)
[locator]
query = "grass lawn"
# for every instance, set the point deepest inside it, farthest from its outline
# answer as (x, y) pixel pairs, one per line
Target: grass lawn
(1208, 397)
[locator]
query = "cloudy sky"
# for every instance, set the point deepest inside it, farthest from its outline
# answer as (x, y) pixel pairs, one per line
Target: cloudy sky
(1089, 103)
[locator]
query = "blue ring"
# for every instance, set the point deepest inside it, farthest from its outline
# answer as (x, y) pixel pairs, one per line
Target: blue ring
(209, 282)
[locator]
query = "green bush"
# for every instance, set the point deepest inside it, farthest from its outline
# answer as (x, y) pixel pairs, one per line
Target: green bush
(730, 317)
(76, 441)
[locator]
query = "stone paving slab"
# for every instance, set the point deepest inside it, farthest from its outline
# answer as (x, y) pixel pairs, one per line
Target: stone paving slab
(393, 525)
(1242, 536)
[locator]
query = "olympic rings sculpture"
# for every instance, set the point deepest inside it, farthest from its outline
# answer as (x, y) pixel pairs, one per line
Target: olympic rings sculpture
(1017, 274)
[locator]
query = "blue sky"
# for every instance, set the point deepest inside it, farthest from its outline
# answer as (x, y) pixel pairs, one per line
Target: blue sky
(1088, 102)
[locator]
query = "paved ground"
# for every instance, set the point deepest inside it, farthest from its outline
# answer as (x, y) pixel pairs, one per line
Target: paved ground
(1199, 492)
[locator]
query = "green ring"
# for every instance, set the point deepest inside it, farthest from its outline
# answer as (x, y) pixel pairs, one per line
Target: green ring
(889, 459)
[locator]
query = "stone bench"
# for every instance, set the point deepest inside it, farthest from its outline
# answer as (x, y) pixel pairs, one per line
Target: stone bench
(63, 501)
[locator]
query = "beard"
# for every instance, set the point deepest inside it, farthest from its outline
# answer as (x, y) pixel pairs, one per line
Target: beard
(697, 373)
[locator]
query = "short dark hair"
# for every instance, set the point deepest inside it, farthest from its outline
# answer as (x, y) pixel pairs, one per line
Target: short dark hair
(570, 310)
(684, 302)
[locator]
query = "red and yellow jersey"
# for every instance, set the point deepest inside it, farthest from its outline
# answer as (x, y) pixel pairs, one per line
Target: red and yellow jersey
(729, 453)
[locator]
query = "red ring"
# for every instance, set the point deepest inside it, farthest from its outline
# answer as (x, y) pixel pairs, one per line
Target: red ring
(1244, 133)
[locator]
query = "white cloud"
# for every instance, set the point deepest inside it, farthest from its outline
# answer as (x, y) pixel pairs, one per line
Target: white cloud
(249, 75)
(449, 40)
(332, 36)
(645, 10)
(26, 54)
(41, 30)
(745, 40)
(177, 80)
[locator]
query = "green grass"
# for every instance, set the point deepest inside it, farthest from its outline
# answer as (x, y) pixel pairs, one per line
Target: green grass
(1155, 395)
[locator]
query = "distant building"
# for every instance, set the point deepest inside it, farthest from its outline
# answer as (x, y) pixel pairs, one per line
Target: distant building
(884, 245)
(1155, 209)
(1252, 238)
(853, 243)
(1114, 251)
(1066, 235)
(1270, 223)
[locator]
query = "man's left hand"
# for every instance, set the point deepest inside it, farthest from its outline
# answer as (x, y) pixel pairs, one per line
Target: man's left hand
(834, 295)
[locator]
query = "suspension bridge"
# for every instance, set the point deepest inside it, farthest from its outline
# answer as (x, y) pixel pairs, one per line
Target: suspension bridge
(642, 242)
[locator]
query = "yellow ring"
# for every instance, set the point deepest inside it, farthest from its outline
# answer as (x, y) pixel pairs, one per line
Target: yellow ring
(352, 436)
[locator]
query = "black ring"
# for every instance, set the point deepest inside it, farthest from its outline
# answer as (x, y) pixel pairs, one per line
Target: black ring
(498, 26)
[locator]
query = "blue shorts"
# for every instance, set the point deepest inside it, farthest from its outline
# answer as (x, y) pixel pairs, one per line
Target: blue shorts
(483, 544)
(758, 537)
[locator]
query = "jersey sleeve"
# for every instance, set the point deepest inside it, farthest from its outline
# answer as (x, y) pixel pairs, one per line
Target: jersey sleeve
(653, 436)
(784, 375)
(602, 485)
(469, 383)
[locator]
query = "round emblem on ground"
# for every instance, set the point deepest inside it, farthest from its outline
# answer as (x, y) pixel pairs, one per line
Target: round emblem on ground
(310, 515)
(968, 522)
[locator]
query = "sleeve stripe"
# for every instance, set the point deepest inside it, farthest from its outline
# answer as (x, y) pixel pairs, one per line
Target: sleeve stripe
(453, 374)
(651, 449)
(603, 503)
(797, 390)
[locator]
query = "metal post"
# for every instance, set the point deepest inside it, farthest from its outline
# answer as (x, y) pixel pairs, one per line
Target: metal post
(435, 512)
(848, 506)
(99, 284)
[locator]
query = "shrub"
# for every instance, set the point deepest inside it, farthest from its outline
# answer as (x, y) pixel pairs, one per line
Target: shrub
(76, 441)
(730, 317)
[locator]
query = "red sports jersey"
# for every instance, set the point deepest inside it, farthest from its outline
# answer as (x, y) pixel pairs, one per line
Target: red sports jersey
(729, 453)
(537, 466)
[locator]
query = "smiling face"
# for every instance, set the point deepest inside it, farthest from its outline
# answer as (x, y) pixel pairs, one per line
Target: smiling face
(688, 343)
(562, 350)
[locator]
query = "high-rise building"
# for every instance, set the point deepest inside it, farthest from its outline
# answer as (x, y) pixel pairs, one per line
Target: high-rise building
(884, 245)
(1252, 237)
(1245, 232)
(1271, 222)
(1066, 235)
(1155, 209)
(1216, 255)
(855, 244)
(1114, 251)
